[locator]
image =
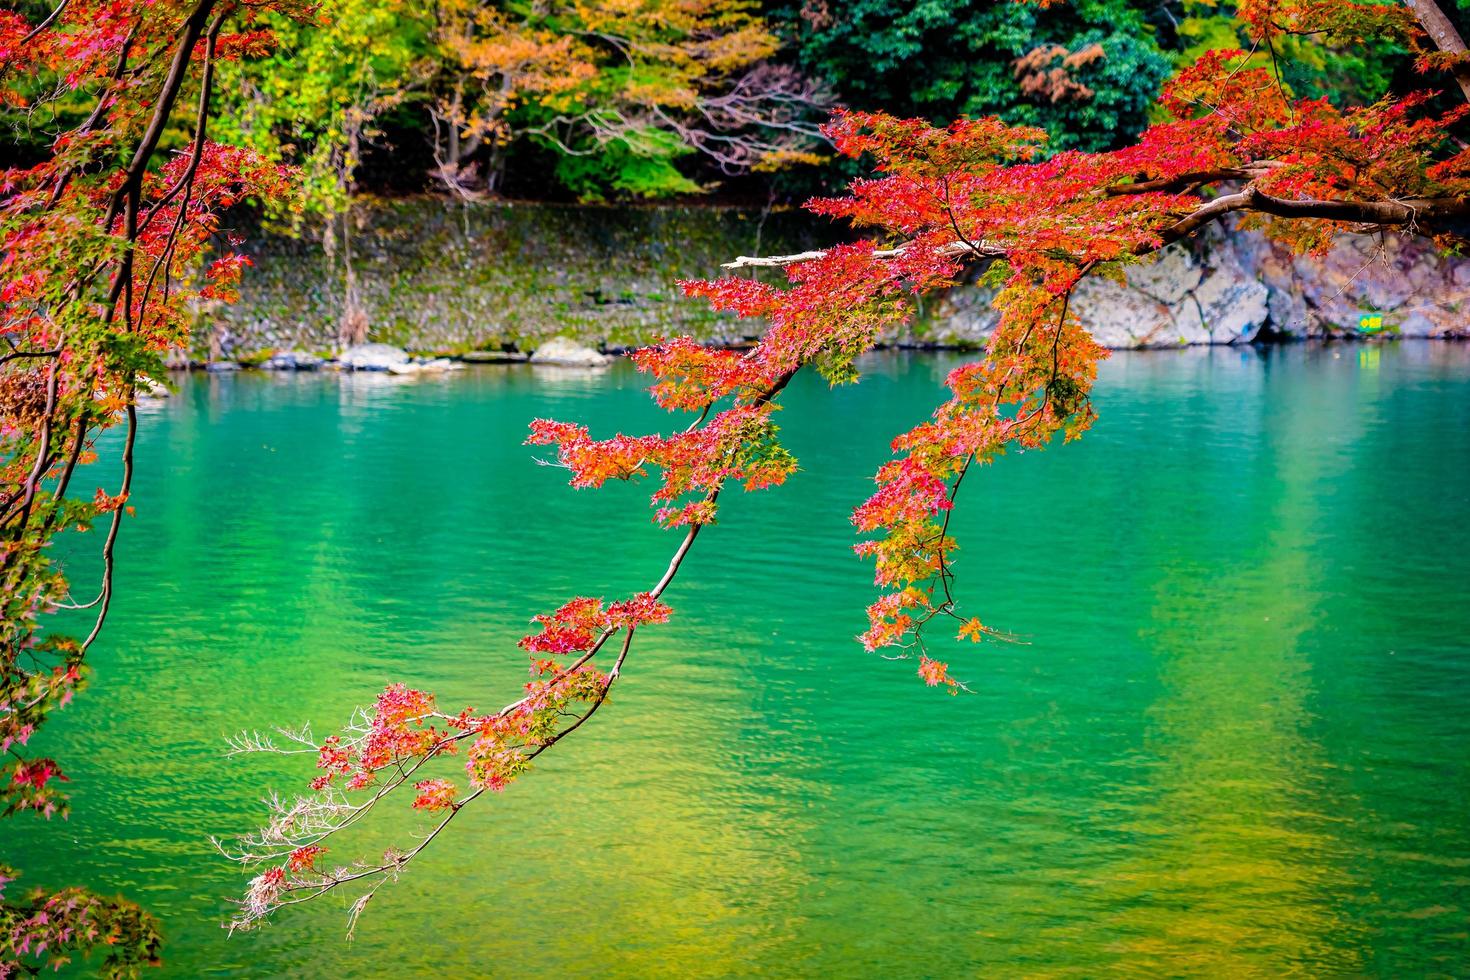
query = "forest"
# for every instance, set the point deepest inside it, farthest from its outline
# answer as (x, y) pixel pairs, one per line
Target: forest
(1202, 703)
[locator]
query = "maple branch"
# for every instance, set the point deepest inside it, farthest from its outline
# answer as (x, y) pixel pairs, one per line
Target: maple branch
(44, 25)
(981, 249)
(1181, 181)
(109, 562)
(1418, 211)
(309, 821)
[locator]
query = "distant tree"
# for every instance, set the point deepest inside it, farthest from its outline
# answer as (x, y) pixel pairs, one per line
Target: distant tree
(1086, 72)
(619, 90)
(314, 102)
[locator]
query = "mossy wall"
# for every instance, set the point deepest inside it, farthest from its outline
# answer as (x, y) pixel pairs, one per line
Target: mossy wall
(442, 275)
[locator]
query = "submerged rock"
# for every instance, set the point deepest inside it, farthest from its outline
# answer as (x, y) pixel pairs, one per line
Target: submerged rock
(494, 357)
(373, 357)
(563, 352)
(293, 360)
(425, 365)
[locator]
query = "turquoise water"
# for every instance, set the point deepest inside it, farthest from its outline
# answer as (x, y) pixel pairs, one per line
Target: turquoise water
(1232, 742)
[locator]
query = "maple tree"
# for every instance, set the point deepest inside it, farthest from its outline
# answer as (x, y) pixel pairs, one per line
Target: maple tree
(1231, 143)
(100, 247)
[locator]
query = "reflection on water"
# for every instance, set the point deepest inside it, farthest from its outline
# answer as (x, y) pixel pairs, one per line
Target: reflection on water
(1232, 743)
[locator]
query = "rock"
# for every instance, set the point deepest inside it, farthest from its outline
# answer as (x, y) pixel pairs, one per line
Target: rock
(1120, 317)
(221, 367)
(494, 357)
(1181, 299)
(1168, 277)
(1416, 324)
(152, 387)
(372, 357)
(293, 360)
(563, 352)
(1417, 291)
(1178, 299)
(962, 317)
(1229, 306)
(407, 367)
(439, 364)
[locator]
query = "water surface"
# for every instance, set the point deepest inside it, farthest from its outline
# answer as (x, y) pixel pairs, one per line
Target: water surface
(1233, 742)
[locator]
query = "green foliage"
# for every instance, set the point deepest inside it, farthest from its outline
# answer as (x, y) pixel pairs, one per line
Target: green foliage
(1345, 75)
(314, 102)
(941, 60)
(643, 168)
(618, 91)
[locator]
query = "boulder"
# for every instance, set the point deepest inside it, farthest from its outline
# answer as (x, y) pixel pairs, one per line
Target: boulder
(564, 352)
(1178, 299)
(1119, 316)
(961, 317)
(1229, 306)
(372, 357)
(425, 365)
(221, 367)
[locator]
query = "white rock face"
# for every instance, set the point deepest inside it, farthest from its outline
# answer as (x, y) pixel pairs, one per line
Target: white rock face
(1174, 300)
(1415, 290)
(1233, 284)
(568, 353)
(372, 357)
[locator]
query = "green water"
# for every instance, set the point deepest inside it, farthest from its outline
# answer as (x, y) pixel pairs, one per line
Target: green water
(1233, 743)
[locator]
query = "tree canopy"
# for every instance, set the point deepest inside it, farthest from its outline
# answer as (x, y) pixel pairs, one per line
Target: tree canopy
(1086, 71)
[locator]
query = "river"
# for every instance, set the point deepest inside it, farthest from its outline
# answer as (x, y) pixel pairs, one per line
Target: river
(1230, 740)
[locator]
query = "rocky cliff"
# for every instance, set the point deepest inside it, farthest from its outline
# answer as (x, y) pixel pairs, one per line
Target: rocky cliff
(1236, 287)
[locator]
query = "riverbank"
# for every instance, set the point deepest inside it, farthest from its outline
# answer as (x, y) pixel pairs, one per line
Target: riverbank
(445, 278)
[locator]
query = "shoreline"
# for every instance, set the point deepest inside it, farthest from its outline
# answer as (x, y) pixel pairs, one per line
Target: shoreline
(433, 362)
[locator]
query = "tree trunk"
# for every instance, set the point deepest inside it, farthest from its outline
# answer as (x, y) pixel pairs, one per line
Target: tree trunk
(1442, 32)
